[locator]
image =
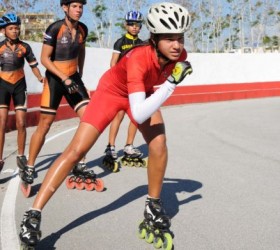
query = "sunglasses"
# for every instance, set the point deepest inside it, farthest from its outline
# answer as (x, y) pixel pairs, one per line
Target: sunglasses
(134, 24)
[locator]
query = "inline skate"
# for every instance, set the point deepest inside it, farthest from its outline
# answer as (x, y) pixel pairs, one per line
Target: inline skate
(26, 175)
(83, 178)
(30, 233)
(155, 226)
(110, 159)
(132, 157)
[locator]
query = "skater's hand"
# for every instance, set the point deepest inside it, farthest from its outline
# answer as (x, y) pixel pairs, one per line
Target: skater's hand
(70, 85)
(180, 71)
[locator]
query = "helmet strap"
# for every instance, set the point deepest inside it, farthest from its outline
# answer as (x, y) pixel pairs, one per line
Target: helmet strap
(12, 41)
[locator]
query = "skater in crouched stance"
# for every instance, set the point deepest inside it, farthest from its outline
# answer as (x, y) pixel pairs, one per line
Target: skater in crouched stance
(129, 86)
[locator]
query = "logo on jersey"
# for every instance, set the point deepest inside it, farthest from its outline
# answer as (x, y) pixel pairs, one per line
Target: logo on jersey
(64, 40)
(46, 37)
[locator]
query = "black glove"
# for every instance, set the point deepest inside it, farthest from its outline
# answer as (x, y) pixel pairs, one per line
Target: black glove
(180, 71)
(72, 87)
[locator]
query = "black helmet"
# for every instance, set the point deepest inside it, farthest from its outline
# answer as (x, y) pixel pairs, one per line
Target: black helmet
(72, 1)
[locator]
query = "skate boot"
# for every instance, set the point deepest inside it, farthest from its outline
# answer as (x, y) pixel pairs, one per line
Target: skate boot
(1, 165)
(155, 226)
(27, 178)
(110, 159)
(27, 174)
(21, 162)
(132, 157)
(84, 178)
(30, 233)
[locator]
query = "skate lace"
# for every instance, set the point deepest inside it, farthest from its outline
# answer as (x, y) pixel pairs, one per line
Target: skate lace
(110, 150)
(31, 220)
(29, 171)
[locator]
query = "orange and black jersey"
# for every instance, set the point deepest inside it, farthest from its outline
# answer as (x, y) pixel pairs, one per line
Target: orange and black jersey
(12, 61)
(59, 36)
(126, 42)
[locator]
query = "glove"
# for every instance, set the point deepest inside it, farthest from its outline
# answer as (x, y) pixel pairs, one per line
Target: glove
(180, 71)
(72, 87)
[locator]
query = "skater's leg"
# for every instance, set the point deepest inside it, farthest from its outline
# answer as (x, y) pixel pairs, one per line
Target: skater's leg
(38, 137)
(84, 139)
(21, 128)
(114, 128)
(80, 113)
(153, 131)
(131, 133)
(3, 123)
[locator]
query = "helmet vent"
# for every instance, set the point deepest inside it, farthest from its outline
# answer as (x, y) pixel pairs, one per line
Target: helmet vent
(165, 24)
(176, 16)
(150, 24)
(183, 22)
(173, 23)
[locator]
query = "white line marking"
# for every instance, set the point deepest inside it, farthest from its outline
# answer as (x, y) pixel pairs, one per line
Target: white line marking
(9, 237)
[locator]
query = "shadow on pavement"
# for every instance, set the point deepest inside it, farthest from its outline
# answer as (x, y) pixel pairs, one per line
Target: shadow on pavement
(170, 187)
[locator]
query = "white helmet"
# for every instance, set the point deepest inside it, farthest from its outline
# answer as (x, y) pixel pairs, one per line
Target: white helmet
(168, 18)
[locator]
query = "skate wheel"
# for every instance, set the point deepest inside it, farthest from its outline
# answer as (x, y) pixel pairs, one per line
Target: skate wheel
(26, 189)
(124, 163)
(168, 242)
(80, 185)
(138, 164)
(116, 167)
(149, 237)
(142, 232)
(70, 183)
(89, 185)
(23, 246)
(144, 164)
(157, 242)
(99, 185)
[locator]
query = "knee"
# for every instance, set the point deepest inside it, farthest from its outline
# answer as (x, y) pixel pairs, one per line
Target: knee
(44, 126)
(3, 123)
(74, 153)
(158, 146)
(20, 124)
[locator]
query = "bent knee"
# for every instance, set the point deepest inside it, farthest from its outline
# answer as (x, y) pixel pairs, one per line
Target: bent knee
(75, 153)
(158, 145)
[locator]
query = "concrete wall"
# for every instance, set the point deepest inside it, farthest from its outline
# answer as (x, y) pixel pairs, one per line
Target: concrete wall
(208, 68)
(216, 77)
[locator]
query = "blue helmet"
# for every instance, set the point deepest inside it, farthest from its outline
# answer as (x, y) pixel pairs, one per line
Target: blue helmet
(2, 23)
(11, 18)
(134, 16)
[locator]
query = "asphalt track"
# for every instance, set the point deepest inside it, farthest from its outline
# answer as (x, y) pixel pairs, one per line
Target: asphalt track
(221, 187)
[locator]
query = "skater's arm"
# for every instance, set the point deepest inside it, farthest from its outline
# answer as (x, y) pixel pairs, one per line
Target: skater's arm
(114, 59)
(37, 73)
(48, 64)
(142, 108)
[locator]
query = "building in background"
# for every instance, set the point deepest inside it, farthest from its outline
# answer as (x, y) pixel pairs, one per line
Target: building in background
(34, 24)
